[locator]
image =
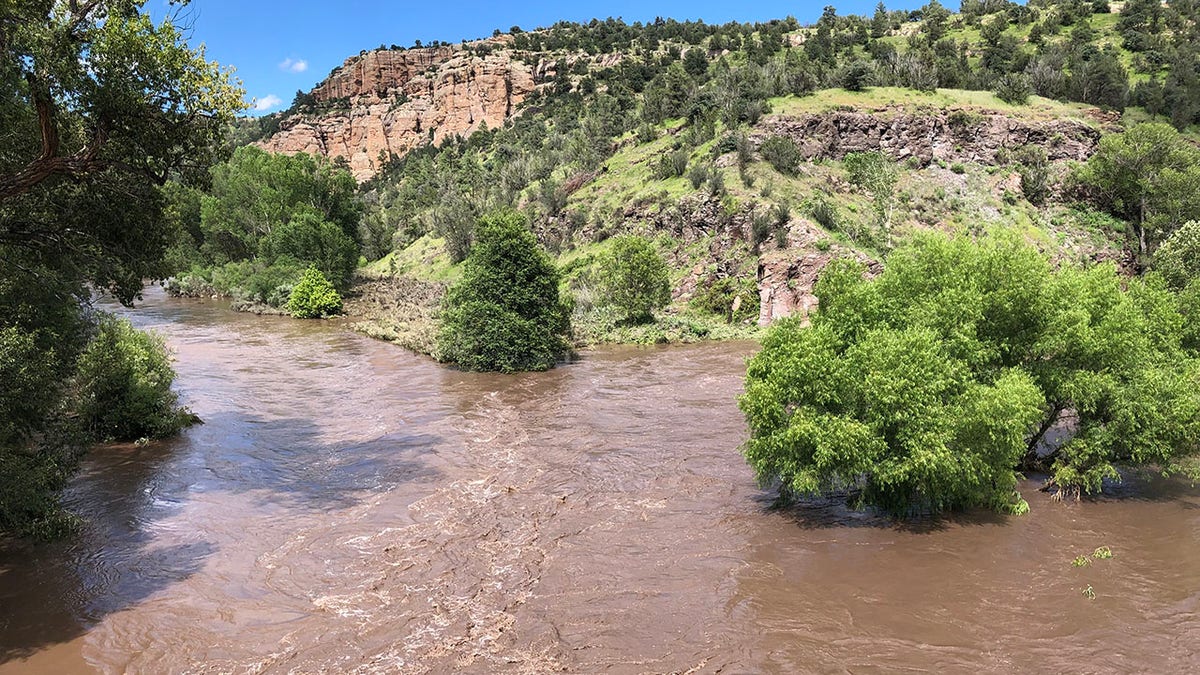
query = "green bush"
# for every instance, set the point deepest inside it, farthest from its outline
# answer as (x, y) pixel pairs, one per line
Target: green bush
(825, 212)
(255, 281)
(505, 314)
(634, 279)
(856, 75)
(930, 386)
(1034, 169)
(313, 296)
(781, 152)
(124, 385)
(719, 295)
(1013, 88)
(1178, 259)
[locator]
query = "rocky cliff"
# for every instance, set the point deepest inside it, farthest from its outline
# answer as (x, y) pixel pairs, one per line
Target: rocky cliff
(387, 102)
(945, 135)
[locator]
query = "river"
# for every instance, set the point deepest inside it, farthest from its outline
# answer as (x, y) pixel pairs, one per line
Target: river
(350, 507)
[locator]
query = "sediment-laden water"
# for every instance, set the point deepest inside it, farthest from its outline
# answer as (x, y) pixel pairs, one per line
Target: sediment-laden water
(350, 507)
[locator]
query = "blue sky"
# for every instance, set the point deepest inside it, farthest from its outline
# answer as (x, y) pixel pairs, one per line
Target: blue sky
(280, 47)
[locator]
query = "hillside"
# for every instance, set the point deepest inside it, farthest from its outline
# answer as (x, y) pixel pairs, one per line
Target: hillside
(729, 145)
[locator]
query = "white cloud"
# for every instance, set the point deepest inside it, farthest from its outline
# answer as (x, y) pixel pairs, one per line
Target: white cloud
(268, 102)
(293, 65)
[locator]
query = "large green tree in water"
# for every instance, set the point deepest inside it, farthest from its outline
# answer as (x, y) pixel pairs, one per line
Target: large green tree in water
(931, 386)
(99, 107)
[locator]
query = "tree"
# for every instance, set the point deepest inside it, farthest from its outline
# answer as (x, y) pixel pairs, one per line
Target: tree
(881, 23)
(634, 278)
(928, 387)
(695, 62)
(1149, 176)
(1013, 88)
(856, 75)
(310, 239)
(505, 314)
(256, 192)
(100, 107)
(877, 173)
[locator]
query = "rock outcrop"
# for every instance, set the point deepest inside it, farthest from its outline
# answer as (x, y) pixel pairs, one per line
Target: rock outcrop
(384, 103)
(927, 136)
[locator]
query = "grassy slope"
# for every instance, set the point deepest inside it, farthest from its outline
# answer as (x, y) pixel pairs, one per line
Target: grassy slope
(897, 99)
(968, 199)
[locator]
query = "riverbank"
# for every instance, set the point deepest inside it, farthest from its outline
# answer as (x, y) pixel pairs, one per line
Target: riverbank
(404, 310)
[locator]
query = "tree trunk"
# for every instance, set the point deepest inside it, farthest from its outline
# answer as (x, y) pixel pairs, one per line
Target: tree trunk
(1031, 460)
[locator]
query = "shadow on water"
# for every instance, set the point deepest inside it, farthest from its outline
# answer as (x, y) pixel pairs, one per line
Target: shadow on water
(1138, 485)
(126, 495)
(837, 512)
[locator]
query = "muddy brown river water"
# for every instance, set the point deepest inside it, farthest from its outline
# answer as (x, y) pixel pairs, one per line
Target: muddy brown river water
(351, 507)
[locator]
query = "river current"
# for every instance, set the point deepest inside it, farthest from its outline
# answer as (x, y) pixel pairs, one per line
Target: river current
(350, 507)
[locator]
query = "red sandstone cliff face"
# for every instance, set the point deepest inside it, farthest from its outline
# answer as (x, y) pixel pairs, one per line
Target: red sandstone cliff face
(388, 102)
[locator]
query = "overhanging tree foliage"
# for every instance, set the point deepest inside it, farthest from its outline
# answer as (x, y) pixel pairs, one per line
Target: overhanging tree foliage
(98, 108)
(930, 386)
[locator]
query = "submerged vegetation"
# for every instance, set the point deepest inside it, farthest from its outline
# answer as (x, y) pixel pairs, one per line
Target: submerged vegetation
(930, 386)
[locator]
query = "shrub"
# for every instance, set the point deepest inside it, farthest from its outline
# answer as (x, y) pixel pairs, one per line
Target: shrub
(856, 75)
(1034, 169)
(671, 165)
(1013, 88)
(720, 295)
(255, 281)
(634, 279)
(824, 211)
(124, 384)
(698, 174)
(1178, 259)
(505, 314)
(313, 296)
(781, 152)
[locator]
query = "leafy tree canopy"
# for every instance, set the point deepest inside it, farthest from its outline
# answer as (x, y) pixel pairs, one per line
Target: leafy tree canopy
(930, 386)
(99, 107)
(1150, 176)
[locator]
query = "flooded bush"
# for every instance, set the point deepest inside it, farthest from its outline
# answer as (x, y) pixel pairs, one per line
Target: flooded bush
(124, 385)
(930, 386)
(505, 314)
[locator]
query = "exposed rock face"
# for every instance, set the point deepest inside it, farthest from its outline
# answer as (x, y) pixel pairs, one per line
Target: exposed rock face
(385, 103)
(950, 136)
(786, 278)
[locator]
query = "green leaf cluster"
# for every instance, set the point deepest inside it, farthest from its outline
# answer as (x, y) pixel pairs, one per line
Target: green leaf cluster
(932, 385)
(1149, 176)
(505, 314)
(313, 296)
(634, 278)
(124, 384)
